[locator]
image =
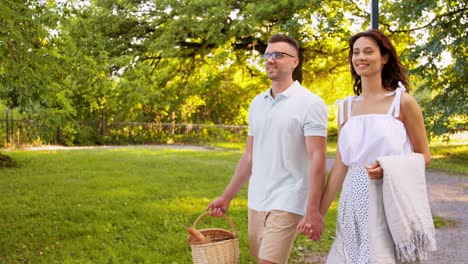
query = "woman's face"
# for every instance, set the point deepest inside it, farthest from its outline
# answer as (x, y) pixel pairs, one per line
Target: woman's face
(367, 59)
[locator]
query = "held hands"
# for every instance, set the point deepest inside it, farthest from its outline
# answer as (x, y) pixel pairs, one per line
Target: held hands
(312, 226)
(218, 207)
(375, 171)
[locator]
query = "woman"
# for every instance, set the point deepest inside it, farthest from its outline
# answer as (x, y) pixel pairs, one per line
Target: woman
(380, 120)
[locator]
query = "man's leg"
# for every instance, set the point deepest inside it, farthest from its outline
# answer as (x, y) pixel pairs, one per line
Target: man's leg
(271, 235)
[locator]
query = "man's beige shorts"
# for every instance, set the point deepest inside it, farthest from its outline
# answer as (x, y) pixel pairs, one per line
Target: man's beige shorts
(272, 234)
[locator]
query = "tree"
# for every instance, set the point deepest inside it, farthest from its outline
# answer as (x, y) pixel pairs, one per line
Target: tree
(440, 66)
(26, 60)
(77, 66)
(193, 48)
(24, 64)
(31, 64)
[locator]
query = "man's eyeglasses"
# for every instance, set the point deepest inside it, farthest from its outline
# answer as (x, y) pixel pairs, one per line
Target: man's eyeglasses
(276, 55)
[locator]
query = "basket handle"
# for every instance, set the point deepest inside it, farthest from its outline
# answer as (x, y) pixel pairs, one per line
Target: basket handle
(225, 217)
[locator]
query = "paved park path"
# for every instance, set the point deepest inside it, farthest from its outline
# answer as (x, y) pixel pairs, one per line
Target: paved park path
(448, 196)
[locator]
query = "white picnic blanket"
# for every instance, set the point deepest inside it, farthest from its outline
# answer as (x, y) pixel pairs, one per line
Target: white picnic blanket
(401, 227)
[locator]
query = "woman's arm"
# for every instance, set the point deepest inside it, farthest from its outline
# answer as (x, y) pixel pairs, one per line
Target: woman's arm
(412, 118)
(337, 174)
(334, 182)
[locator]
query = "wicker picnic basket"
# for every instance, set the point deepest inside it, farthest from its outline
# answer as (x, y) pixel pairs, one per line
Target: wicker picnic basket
(224, 248)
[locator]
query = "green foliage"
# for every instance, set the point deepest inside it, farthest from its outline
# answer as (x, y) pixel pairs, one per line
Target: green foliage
(77, 66)
(439, 30)
(31, 64)
(156, 133)
(440, 222)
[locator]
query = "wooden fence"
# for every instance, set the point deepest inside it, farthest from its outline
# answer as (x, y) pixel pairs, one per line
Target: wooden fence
(21, 132)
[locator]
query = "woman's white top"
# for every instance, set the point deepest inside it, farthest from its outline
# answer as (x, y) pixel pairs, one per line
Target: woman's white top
(364, 138)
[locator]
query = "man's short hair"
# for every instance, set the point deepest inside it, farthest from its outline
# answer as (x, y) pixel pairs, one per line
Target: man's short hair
(280, 37)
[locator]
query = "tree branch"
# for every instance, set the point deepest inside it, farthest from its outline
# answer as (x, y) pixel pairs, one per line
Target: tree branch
(436, 18)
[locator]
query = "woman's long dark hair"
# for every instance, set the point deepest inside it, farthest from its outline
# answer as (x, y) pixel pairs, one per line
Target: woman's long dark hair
(392, 72)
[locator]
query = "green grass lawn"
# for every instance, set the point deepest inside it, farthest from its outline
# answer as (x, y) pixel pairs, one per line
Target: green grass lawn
(450, 157)
(132, 204)
(118, 205)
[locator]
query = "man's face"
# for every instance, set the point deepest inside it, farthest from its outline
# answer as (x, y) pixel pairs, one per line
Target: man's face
(283, 66)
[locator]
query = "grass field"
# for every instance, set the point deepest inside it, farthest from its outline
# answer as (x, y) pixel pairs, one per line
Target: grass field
(450, 157)
(129, 204)
(117, 205)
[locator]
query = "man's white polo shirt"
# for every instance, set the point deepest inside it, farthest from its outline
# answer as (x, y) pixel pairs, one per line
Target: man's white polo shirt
(280, 166)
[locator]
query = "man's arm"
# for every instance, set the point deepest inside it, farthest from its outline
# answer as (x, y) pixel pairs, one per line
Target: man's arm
(219, 206)
(312, 223)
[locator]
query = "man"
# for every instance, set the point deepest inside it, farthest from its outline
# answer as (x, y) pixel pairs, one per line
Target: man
(284, 159)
